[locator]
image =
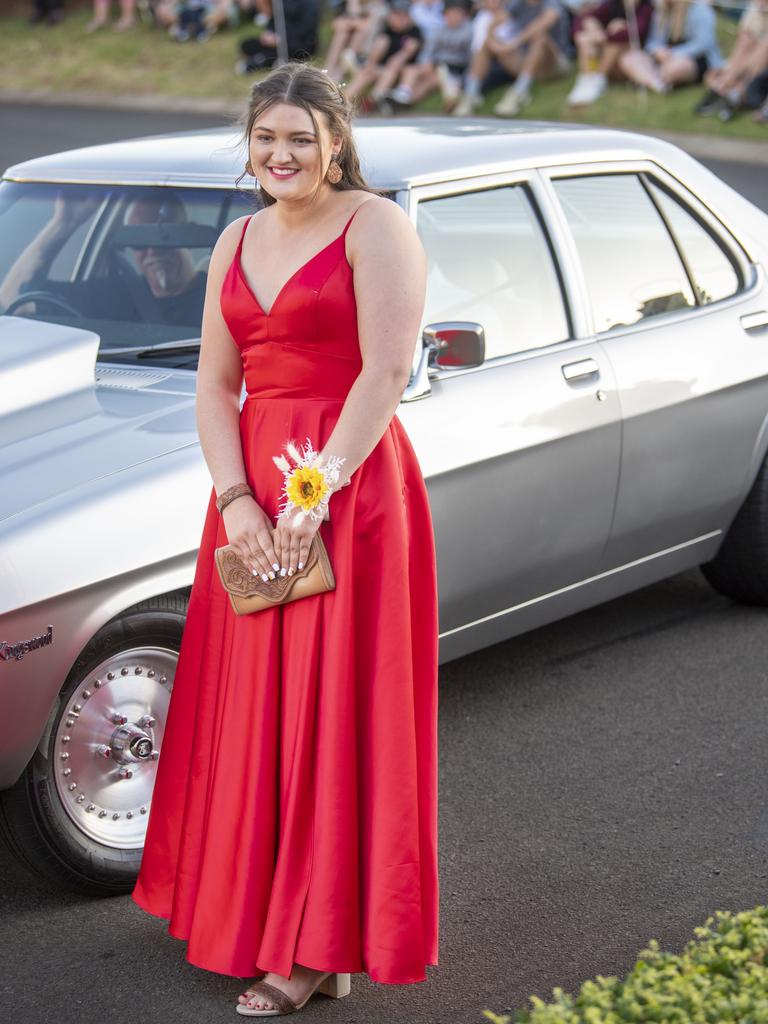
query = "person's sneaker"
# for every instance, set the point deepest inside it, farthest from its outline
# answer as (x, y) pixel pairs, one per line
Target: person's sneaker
(512, 102)
(576, 97)
(401, 96)
(596, 86)
(727, 111)
(709, 104)
(467, 105)
(181, 35)
(450, 84)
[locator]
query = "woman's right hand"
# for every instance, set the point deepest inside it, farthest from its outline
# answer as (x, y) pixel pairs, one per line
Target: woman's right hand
(249, 530)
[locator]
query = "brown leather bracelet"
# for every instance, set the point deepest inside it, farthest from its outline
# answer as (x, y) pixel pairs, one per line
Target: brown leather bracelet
(236, 491)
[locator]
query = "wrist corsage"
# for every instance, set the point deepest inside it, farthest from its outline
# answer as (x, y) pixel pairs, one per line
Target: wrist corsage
(308, 485)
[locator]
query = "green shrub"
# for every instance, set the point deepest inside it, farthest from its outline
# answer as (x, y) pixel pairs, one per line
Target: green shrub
(719, 977)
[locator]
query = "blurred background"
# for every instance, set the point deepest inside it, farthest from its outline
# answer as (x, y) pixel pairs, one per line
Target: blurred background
(658, 65)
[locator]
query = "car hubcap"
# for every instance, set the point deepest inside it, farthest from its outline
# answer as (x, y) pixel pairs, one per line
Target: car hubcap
(107, 743)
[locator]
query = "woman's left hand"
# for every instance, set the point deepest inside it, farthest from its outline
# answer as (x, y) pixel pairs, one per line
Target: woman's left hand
(292, 543)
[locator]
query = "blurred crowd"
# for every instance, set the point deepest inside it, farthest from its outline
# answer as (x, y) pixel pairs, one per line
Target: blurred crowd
(389, 55)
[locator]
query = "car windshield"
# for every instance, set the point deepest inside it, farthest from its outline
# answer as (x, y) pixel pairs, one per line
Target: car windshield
(127, 262)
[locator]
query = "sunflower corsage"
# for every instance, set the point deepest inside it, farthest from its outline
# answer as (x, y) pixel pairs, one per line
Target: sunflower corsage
(308, 485)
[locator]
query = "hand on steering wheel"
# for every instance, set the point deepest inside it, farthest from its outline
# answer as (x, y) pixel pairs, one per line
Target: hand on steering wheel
(41, 295)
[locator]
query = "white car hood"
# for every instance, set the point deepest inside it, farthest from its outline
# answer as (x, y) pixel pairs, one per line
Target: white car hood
(65, 422)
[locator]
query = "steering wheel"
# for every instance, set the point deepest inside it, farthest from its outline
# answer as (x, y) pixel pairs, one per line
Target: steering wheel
(42, 296)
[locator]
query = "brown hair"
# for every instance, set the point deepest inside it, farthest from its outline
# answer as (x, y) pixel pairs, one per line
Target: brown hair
(312, 89)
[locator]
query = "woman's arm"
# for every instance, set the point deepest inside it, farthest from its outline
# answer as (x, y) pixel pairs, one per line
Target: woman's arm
(390, 274)
(220, 374)
(217, 405)
(700, 32)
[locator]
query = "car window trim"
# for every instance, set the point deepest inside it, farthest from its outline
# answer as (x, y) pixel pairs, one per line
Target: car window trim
(528, 178)
(650, 179)
(750, 274)
(673, 238)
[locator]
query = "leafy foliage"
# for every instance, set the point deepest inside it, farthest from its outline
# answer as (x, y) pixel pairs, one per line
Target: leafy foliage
(720, 976)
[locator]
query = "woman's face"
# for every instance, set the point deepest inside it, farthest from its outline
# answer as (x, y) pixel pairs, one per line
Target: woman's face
(285, 152)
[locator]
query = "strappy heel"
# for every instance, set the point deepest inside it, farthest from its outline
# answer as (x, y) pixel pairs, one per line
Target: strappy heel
(334, 985)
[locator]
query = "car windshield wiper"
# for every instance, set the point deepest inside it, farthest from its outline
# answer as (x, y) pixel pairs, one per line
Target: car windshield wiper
(146, 352)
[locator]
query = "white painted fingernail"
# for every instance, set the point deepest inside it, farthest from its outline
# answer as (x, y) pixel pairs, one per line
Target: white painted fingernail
(275, 566)
(301, 565)
(283, 572)
(265, 577)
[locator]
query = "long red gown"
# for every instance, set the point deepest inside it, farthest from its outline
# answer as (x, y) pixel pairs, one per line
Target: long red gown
(294, 813)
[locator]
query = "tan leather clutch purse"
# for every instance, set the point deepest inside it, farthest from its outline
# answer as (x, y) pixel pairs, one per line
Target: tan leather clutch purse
(249, 593)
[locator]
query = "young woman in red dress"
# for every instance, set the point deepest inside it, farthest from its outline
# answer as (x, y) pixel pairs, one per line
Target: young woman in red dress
(293, 824)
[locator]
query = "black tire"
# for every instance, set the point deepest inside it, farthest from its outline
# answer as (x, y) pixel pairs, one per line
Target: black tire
(34, 820)
(740, 568)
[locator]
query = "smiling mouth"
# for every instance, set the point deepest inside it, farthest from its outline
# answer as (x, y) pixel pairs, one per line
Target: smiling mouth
(283, 172)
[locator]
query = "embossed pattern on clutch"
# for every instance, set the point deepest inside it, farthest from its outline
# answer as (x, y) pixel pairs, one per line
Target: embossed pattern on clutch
(249, 593)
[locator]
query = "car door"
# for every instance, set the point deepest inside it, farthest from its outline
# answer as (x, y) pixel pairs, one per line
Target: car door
(673, 298)
(521, 452)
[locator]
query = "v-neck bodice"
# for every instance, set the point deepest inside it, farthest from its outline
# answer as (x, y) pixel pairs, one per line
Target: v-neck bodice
(307, 345)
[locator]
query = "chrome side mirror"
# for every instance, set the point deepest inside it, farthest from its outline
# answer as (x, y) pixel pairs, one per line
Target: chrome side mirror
(451, 345)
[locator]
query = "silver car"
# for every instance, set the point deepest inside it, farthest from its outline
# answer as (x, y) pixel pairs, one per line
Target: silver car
(588, 403)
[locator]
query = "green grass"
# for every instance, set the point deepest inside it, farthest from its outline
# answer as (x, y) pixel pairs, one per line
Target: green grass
(145, 61)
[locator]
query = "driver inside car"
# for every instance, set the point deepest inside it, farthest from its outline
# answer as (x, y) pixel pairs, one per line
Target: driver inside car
(155, 284)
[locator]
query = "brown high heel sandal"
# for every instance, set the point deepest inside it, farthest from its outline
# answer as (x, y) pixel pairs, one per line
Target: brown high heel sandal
(332, 984)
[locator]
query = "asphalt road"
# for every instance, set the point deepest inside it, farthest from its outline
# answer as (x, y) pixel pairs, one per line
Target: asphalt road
(600, 784)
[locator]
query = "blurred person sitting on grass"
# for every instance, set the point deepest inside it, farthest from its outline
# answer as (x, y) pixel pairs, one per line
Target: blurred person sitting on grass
(100, 17)
(353, 28)
(193, 19)
(441, 64)
(528, 39)
(49, 11)
(748, 61)
(224, 13)
(261, 51)
(428, 15)
(681, 46)
(397, 45)
(602, 33)
(485, 16)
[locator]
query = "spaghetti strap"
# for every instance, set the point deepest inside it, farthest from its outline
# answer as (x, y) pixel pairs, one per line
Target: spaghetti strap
(242, 233)
(343, 233)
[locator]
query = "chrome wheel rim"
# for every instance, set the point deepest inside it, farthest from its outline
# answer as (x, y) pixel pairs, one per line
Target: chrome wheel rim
(107, 742)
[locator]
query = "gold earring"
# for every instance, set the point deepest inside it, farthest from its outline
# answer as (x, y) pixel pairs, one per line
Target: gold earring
(335, 172)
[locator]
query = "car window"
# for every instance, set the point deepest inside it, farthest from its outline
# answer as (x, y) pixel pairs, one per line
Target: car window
(714, 274)
(127, 262)
(631, 266)
(489, 262)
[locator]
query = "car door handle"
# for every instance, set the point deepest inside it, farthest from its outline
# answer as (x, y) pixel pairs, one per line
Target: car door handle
(754, 321)
(580, 369)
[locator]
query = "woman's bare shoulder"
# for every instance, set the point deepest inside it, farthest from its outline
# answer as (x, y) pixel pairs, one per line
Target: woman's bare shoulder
(226, 244)
(380, 225)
